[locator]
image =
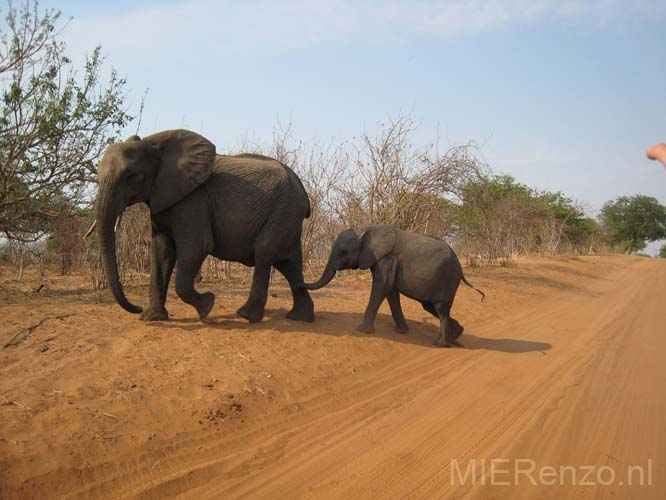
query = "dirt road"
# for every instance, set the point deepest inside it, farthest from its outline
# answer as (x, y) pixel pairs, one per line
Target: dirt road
(560, 392)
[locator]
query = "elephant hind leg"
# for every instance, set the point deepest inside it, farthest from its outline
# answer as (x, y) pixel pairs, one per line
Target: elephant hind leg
(268, 247)
(292, 270)
(429, 307)
(253, 309)
(450, 329)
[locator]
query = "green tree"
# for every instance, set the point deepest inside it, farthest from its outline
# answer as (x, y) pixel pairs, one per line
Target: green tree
(496, 218)
(501, 218)
(54, 123)
(585, 234)
(662, 252)
(631, 221)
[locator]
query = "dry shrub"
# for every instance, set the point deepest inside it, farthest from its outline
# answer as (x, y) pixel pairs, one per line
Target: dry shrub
(378, 177)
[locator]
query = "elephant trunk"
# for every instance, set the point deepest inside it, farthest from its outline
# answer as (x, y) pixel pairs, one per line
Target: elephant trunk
(108, 209)
(326, 277)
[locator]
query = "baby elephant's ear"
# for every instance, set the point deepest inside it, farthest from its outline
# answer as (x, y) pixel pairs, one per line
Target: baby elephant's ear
(186, 161)
(376, 242)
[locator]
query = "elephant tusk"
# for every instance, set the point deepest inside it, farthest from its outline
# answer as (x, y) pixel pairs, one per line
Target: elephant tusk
(91, 230)
(117, 225)
(93, 226)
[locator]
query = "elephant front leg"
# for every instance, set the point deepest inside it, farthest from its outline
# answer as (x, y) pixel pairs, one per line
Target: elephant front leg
(187, 272)
(396, 311)
(253, 309)
(377, 296)
(161, 266)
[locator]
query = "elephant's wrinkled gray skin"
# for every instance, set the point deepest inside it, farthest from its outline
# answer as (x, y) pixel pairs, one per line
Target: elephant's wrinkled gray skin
(245, 208)
(422, 268)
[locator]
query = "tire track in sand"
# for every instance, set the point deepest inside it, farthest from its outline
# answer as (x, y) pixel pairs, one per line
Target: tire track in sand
(398, 441)
(392, 433)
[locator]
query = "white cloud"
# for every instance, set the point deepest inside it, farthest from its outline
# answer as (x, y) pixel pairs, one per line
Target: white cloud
(300, 23)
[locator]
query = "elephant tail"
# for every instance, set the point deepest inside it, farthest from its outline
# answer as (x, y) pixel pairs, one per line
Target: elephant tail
(483, 295)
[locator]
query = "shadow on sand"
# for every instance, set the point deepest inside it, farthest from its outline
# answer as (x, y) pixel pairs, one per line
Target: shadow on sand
(341, 324)
(503, 345)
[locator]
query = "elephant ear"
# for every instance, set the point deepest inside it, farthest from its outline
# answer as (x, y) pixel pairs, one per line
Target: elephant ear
(376, 242)
(186, 161)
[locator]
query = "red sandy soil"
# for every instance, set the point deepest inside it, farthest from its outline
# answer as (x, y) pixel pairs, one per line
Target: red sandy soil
(564, 364)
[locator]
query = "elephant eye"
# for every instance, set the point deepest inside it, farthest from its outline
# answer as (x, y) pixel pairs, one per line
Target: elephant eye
(135, 178)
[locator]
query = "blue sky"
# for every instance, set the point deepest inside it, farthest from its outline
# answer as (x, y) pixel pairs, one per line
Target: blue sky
(564, 95)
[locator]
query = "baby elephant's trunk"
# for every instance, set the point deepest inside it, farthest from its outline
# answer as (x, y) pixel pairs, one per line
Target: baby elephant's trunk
(326, 277)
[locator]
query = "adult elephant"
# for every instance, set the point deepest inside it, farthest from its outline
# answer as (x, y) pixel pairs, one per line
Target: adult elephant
(245, 208)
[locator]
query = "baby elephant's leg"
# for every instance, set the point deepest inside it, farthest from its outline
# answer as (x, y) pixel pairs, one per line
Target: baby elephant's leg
(377, 296)
(455, 331)
(396, 311)
(450, 329)
(428, 306)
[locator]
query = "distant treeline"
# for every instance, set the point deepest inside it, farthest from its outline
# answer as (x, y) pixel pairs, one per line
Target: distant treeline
(375, 178)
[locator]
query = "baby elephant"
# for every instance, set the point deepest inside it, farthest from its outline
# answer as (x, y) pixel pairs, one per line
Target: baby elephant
(420, 267)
